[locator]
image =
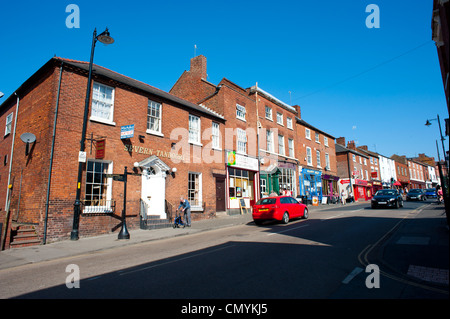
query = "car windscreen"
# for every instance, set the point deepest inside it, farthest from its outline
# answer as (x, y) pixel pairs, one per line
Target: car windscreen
(415, 191)
(385, 193)
(266, 201)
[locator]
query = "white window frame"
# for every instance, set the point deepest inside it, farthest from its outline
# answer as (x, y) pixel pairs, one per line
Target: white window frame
(281, 148)
(308, 133)
(241, 141)
(354, 157)
(291, 147)
(308, 156)
(96, 101)
(325, 141)
(270, 142)
(318, 159)
(152, 106)
(8, 125)
(194, 129)
(240, 112)
(195, 193)
(269, 113)
(263, 185)
(100, 208)
(327, 161)
(289, 123)
(215, 135)
(317, 137)
(280, 118)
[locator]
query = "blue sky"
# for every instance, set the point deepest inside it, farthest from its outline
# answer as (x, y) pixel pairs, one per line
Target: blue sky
(374, 86)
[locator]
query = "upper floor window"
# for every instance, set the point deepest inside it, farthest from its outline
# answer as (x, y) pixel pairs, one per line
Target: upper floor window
(281, 145)
(289, 122)
(308, 133)
(240, 112)
(279, 118)
(325, 141)
(270, 141)
(317, 138)
(215, 135)
(9, 119)
(268, 113)
(241, 141)
(291, 147)
(194, 129)
(308, 156)
(154, 117)
(102, 103)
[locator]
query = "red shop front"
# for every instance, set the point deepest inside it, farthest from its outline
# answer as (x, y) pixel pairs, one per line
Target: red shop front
(362, 190)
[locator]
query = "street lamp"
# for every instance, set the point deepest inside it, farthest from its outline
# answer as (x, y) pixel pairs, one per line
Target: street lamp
(1, 94)
(428, 123)
(104, 38)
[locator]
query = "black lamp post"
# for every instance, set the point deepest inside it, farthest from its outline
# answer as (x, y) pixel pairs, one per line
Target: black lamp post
(428, 123)
(104, 38)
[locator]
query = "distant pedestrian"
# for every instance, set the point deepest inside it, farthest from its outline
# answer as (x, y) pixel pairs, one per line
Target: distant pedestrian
(186, 208)
(343, 199)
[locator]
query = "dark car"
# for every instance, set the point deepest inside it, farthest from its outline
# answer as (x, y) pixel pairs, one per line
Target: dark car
(415, 194)
(431, 193)
(387, 198)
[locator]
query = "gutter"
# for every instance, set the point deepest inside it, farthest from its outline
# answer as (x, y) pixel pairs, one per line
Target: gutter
(51, 155)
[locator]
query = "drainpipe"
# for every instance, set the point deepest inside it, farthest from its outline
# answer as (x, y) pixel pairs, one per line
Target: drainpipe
(51, 155)
(9, 176)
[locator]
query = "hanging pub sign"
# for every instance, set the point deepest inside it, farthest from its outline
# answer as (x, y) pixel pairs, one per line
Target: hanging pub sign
(100, 149)
(126, 131)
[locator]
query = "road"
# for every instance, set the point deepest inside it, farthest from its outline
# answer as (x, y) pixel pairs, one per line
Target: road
(323, 257)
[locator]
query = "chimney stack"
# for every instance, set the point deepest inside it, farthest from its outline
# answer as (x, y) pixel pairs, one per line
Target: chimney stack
(340, 141)
(351, 145)
(299, 112)
(198, 66)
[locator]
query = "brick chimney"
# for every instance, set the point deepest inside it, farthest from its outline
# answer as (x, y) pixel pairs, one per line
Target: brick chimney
(299, 112)
(363, 147)
(340, 141)
(198, 66)
(351, 145)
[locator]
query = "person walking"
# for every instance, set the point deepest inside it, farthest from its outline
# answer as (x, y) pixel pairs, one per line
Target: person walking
(343, 199)
(186, 208)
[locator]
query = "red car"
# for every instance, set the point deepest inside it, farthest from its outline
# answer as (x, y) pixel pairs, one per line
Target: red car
(281, 208)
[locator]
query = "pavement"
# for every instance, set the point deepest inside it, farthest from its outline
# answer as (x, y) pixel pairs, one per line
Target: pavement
(416, 249)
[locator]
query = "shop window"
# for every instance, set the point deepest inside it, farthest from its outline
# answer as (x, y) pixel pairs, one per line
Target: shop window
(239, 183)
(154, 117)
(287, 182)
(194, 189)
(98, 187)
(263, 184)
(102, 103)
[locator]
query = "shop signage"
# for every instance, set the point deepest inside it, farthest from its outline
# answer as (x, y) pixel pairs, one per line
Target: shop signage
(149, 151)
(100, 149)
(126, 131)
(360, 182)
(242, 161)
(311, 172)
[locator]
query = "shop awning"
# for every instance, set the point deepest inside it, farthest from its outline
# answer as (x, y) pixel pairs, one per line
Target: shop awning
(397, 183)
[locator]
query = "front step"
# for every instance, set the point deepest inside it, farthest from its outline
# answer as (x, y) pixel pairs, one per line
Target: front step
(155, 222)
(24, 236)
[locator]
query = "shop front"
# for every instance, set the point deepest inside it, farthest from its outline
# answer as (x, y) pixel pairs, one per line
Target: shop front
(330, 187)
(362, 189)
(241, 179)
(310, 184)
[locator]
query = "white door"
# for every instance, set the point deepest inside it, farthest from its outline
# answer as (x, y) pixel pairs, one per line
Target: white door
(154, 191)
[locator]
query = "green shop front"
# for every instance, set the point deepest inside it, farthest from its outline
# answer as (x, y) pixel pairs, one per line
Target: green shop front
(279, 179)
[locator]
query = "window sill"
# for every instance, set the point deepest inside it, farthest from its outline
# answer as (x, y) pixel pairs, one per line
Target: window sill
(154, 133)
(103, 121)
(196, 143)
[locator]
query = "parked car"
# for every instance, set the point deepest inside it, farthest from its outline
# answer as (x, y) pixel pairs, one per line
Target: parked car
(387, 198)
(415, 194)
(280, 208)
(431, 193)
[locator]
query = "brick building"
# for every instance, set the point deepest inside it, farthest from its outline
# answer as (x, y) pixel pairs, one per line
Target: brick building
(374, 178)
(170, 142)
(265, 128)
(401, 165)
(353, 168)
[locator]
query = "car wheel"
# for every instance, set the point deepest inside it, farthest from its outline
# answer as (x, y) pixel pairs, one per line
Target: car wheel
(373, 206)
(305, 213)
(285, 219)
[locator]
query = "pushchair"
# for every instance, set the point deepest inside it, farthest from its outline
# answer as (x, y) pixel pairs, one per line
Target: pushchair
(178, 220)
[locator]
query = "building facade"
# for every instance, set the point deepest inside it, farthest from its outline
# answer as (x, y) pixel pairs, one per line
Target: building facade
(163, 140)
